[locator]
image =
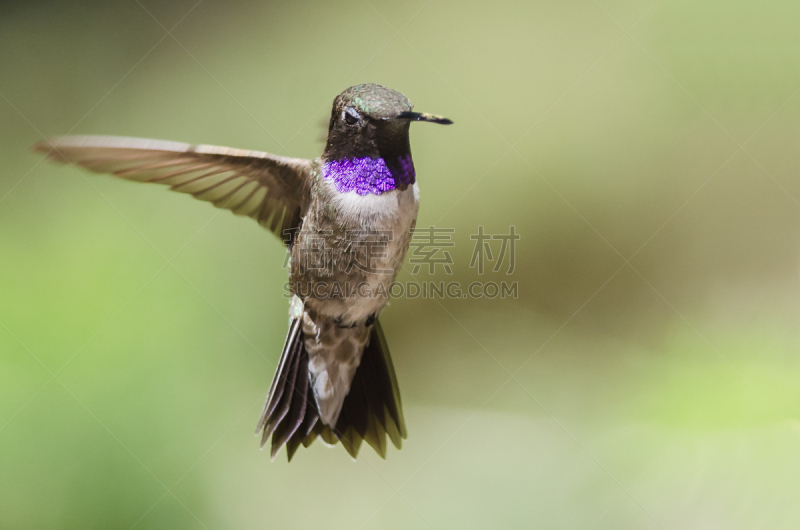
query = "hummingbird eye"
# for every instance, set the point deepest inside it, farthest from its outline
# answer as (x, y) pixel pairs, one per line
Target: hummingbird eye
(351, 116)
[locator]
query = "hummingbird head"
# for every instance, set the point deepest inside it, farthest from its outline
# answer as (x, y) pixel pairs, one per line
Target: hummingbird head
(372, 121)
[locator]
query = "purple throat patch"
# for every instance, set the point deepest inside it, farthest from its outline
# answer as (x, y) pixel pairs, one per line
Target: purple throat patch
(369, 175)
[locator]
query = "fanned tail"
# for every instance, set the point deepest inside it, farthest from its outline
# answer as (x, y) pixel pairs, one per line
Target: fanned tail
(290, 402)
(371, 411)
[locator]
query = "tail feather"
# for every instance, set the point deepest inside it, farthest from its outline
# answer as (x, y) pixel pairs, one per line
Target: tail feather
(371, 411)
(282, 410)
(386, 380)
(376, 436)
(396, 433)
(296, 410)
(279, 381)
(309, 434)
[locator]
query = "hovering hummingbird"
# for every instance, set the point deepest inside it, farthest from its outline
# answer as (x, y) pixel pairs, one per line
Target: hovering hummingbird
(347, 218)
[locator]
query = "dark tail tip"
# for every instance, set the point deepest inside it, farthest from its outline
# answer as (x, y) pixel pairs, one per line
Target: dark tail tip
(371, 411)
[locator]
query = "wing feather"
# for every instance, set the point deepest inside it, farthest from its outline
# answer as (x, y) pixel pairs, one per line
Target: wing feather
(273, 190)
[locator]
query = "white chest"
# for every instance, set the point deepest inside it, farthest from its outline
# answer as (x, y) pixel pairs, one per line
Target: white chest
(394, 213)
(393, 210)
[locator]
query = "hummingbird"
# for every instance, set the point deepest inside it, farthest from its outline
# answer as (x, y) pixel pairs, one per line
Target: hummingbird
(346, 219)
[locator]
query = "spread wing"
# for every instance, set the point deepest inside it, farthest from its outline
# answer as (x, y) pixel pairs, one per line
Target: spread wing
(273, 190)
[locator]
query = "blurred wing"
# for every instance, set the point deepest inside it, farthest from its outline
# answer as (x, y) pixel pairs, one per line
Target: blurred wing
(273, 190)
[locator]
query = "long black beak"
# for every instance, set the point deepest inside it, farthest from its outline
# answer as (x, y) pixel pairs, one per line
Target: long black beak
(422, 116)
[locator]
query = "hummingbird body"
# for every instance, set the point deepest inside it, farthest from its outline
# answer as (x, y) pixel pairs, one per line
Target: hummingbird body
(349, 240)
(348, 216)
(360, 242)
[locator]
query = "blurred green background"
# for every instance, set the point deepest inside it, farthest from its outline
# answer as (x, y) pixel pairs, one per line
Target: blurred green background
(646, 377)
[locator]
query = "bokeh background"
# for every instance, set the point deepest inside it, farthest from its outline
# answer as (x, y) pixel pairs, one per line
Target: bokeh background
(646, 376)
